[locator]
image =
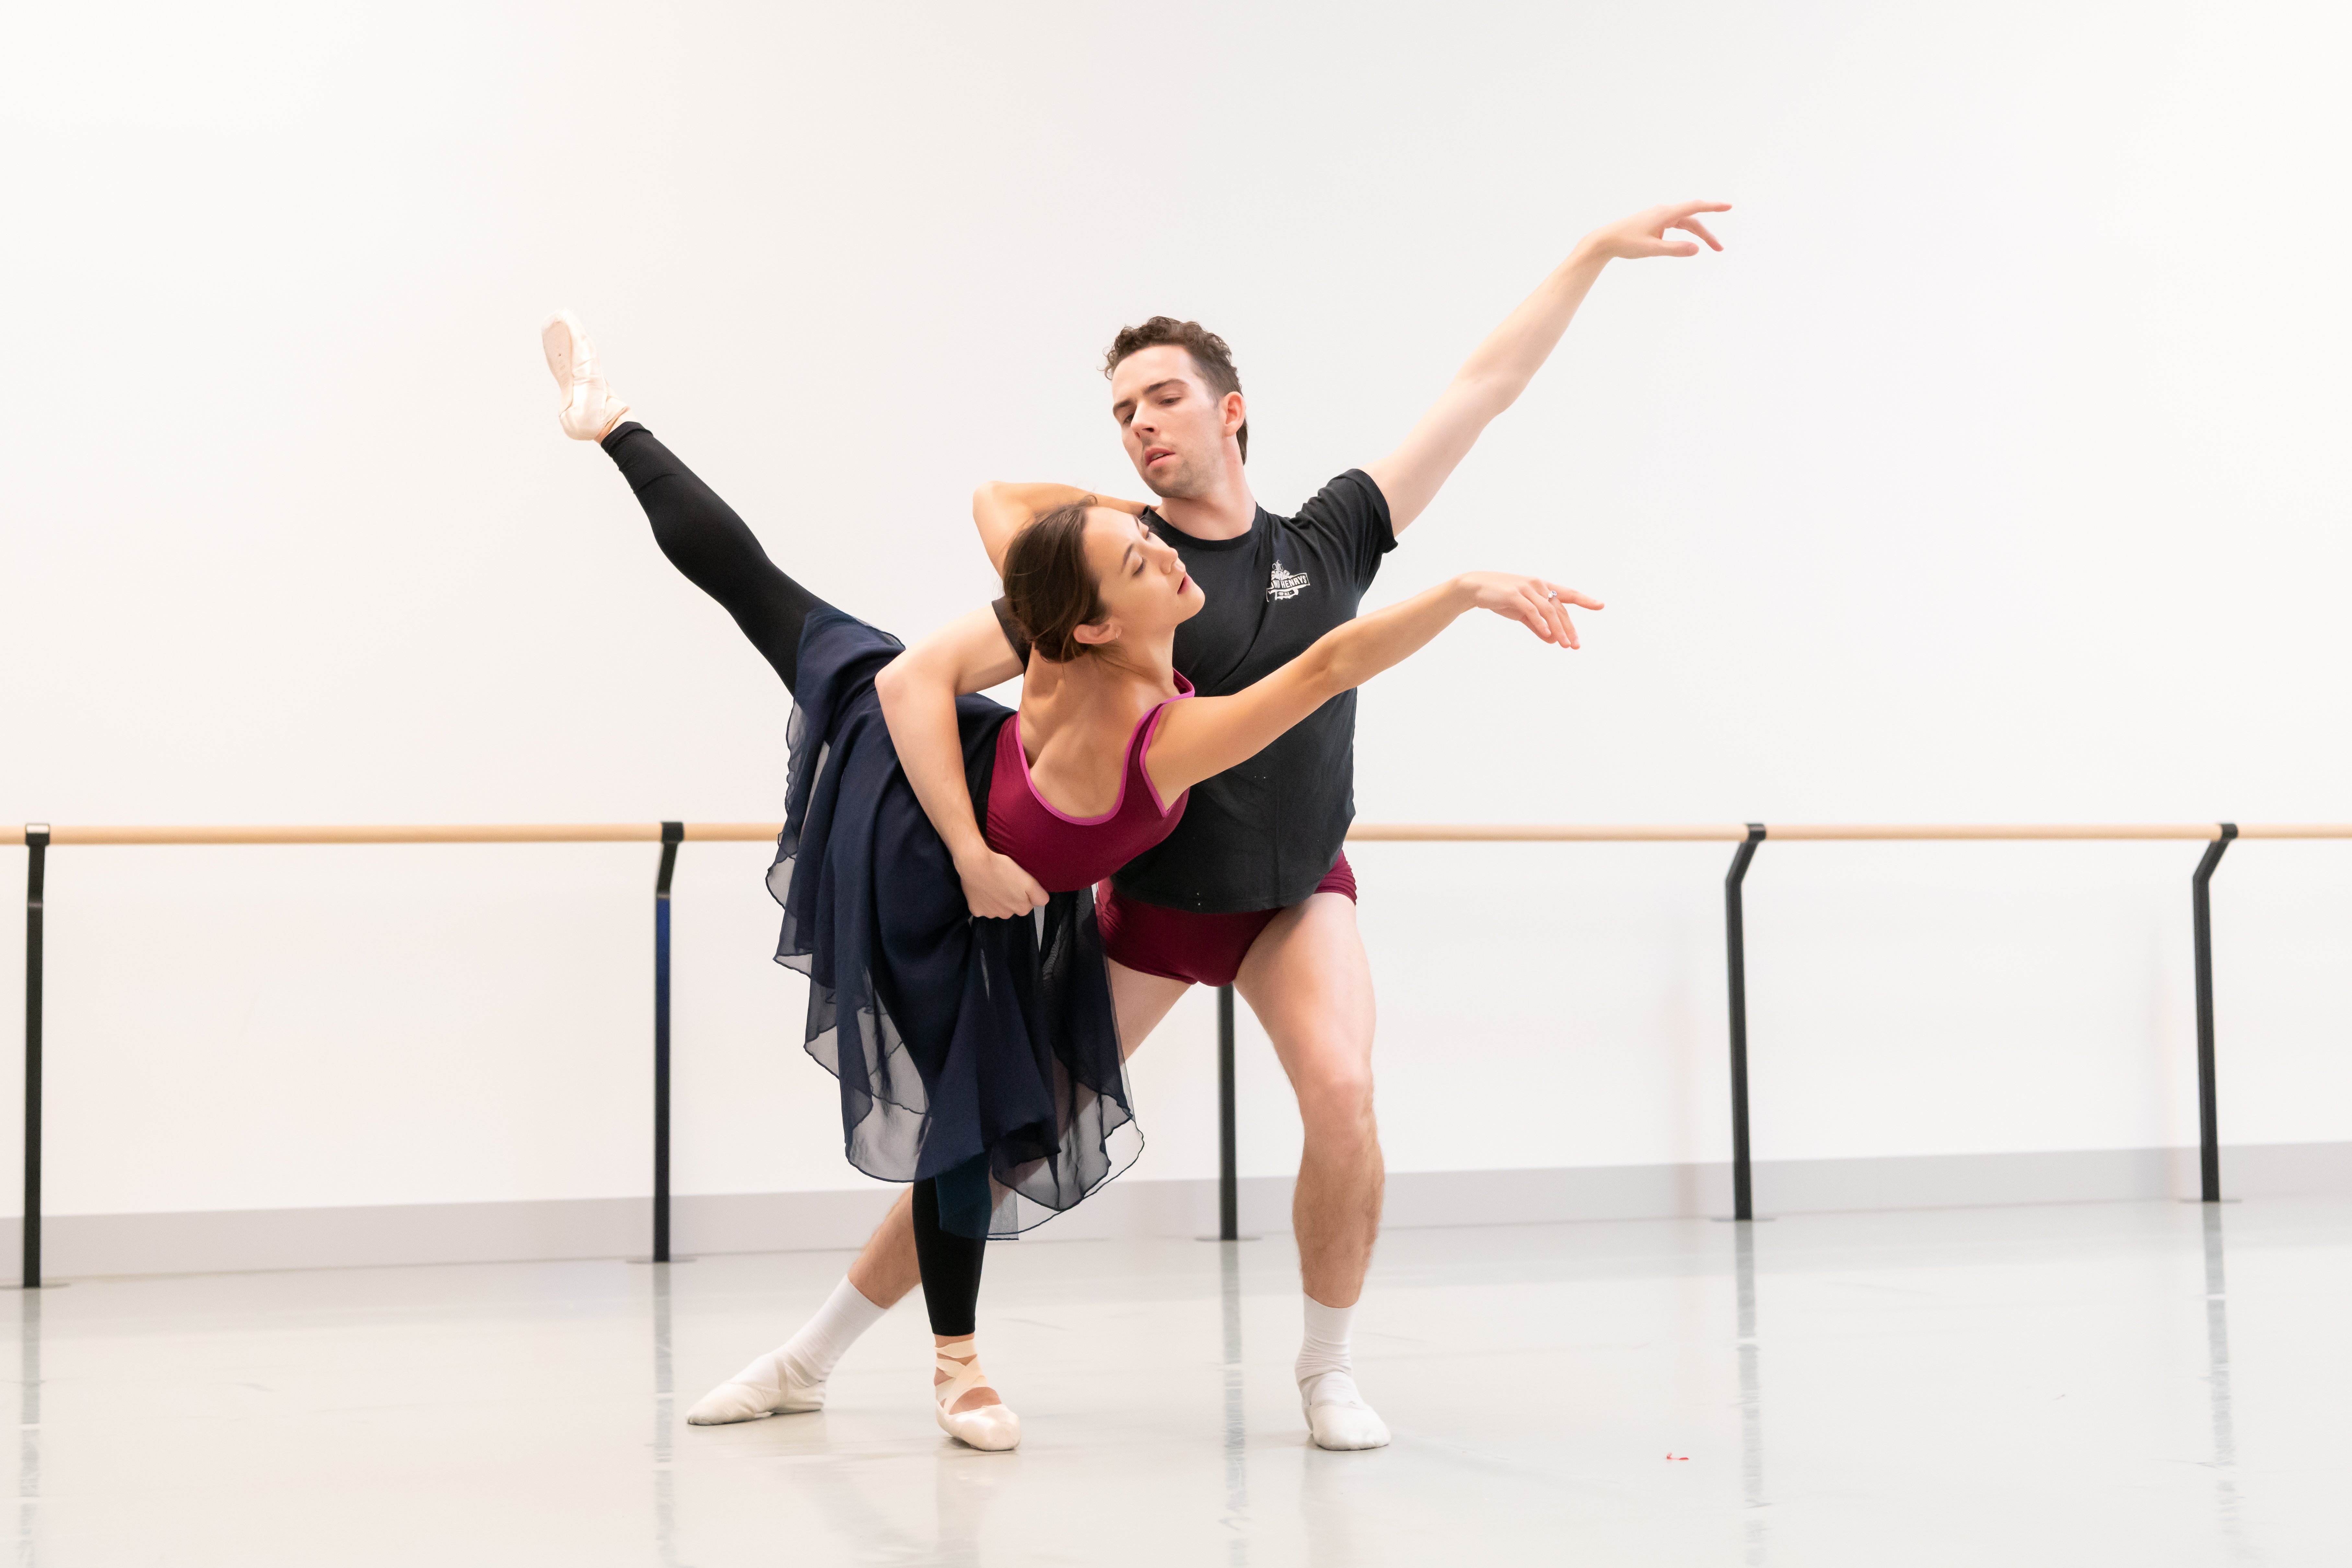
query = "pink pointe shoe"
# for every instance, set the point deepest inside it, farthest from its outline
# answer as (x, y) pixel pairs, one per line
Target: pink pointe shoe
(590, 410)
(991, 1426)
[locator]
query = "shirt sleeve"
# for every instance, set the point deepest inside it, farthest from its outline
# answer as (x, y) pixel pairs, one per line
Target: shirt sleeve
(1019, 640)
(1354, 515)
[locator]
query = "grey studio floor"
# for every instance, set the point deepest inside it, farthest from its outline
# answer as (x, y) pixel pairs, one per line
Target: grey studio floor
(2150, 1383)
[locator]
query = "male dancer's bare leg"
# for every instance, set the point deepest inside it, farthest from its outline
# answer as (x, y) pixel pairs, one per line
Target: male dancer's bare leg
(792, 1377)
(1309, 982)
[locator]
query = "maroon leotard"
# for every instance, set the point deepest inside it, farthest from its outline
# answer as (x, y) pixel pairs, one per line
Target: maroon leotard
(1065, 853)
(1180, 944)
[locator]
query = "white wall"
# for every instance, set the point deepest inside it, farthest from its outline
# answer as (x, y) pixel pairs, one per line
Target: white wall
(1991, 474)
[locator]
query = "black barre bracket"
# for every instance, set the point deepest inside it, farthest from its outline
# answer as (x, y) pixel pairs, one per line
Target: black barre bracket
(37, 841)
(1734, 942)
(1229, 1199)
(672, 834)
(2208, 1121)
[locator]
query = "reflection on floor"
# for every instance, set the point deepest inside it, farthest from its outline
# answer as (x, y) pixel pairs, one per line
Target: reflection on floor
(2145, 1383)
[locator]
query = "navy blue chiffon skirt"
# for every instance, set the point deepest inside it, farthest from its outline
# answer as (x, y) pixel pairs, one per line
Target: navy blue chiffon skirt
(984, 1052)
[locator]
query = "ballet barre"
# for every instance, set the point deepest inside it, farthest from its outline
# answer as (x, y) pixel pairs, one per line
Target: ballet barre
(1733, 832)
(2217, 836)
(433, 833)
(38, 838)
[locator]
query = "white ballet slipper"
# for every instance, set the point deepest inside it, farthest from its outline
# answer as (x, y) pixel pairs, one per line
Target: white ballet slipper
(590, 410)
(993, 1427)
(768, 1386)
(1336, 1415)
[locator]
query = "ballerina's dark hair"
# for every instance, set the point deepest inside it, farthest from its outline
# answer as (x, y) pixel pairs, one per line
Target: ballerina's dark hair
(1049, 586)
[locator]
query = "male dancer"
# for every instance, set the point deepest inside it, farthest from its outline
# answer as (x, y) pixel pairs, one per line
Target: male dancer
(1252, 885)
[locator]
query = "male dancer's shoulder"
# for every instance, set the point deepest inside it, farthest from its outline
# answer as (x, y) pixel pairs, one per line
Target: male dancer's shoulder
(1351, 515)
(1349, 524)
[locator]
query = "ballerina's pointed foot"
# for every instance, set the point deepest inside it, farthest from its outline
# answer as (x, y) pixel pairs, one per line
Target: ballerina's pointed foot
(590, 410)
(768, 1386)
(1336, 1415)
(992, 1427)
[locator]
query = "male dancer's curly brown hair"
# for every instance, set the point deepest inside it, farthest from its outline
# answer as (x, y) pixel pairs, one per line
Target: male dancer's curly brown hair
(1210, 355)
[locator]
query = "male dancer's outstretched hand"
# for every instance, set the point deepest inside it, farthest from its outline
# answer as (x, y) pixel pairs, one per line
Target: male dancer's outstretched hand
(1645, 233)
(1494, 375)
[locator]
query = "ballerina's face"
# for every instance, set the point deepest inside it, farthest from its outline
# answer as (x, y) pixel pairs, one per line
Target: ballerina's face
(1146, 592)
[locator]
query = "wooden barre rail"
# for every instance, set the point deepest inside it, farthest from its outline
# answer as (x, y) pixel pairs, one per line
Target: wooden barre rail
(429, 833)
(1732, 833)
(1363, 832)
(38, 837)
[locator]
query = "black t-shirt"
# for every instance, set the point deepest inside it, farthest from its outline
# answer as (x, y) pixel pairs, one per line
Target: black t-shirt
(1262, 835)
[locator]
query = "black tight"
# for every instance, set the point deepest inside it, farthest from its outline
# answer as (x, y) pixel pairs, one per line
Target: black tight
(950, 1265)
(704, 539)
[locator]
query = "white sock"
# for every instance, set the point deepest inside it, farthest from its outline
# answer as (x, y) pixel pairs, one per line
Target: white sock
(847, 1313)
(1324, 1348)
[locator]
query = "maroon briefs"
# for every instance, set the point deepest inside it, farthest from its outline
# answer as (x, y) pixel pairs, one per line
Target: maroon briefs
(1206, 950)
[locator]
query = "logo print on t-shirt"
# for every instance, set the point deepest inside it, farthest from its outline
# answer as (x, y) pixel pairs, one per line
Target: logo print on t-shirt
(1286, 584)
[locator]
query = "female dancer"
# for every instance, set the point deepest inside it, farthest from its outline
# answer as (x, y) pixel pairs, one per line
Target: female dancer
(979, 1059)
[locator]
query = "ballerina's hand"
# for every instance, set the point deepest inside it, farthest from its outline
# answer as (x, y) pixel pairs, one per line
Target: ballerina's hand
(996, 887)
(1645, 233)
(1540, 606)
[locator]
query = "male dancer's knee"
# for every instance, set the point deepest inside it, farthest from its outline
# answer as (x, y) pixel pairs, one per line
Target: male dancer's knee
(1335, 1099)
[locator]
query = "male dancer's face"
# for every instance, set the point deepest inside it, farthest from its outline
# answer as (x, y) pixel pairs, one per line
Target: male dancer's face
(1174, 428)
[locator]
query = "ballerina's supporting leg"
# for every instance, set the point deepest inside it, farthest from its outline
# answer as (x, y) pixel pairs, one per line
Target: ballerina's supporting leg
(968, 1409)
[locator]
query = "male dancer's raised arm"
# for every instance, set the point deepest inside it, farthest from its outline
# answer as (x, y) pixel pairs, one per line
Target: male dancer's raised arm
(1492, 378)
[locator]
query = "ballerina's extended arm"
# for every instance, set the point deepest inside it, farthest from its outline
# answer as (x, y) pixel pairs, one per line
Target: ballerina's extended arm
(1203, 737)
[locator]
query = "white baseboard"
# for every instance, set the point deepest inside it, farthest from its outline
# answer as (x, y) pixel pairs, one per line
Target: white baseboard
(227, 1241)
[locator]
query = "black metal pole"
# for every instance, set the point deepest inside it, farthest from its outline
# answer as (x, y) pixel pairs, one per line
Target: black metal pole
(37, 841)
(1735, 938)
(1229, 1197)
(2209, 1121)
(672, 834)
